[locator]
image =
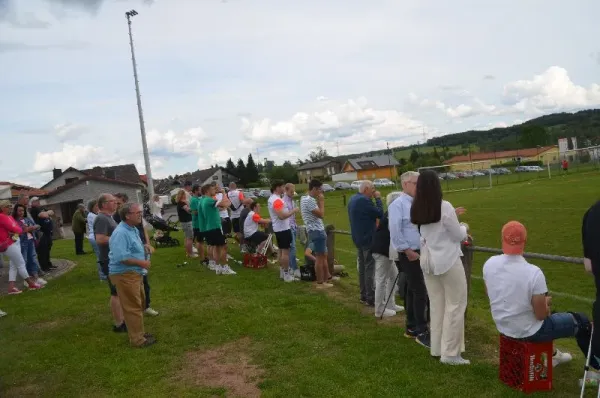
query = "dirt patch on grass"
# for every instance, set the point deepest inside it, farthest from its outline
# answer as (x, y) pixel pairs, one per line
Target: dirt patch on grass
(25, 390)
(47, 325)
(228, 367)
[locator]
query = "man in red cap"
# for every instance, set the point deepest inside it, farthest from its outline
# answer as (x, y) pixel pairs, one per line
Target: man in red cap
(520, 302)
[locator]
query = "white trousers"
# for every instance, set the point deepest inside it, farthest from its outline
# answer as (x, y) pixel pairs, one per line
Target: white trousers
(448, 303)
(17, 263)
(385, 276)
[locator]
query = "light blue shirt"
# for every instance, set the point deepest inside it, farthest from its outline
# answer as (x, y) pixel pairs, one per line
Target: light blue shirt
(403, 233)
(125, 243)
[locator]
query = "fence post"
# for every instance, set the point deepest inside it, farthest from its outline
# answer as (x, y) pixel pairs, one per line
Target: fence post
(467, 261)
(329, 230)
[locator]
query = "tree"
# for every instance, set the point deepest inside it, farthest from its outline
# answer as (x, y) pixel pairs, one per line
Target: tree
(285, 172)
(240, 171)
(532, 136)
(230, 166)
(414, 156)
(251, 170)
(317, 155)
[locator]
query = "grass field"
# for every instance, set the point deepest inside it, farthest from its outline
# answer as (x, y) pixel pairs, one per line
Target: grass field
(297, 341)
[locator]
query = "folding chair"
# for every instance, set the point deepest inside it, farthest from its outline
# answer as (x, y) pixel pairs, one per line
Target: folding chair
(587, 368)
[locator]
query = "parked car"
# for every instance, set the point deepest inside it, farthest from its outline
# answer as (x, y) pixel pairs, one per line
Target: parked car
(502, 170)
(342, 186)
(450, 176)
(264, 193)
(249, 194)
(356, 184)
(383, 182)
(327, 188)
(478, 173)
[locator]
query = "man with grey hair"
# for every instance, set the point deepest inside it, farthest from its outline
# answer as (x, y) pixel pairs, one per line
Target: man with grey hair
(78, 225)
(405, 239)
(363, 215)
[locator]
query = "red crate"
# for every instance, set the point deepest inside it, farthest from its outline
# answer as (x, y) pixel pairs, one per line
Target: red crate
(525, 366)
(254, 260)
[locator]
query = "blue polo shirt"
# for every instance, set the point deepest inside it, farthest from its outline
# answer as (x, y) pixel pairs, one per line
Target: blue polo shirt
(125, 243)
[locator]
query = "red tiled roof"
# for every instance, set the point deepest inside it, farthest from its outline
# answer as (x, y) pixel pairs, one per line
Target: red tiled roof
(478, 156)
(144, 178)
(17, 189)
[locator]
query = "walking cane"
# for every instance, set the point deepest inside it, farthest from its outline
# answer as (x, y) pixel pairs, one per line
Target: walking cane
(587, 368)
(390, 295)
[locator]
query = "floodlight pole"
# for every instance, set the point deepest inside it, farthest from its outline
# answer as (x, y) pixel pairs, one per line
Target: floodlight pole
(129, 15)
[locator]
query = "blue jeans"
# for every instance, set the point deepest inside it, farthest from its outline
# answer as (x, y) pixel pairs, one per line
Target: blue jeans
(319, 241)
(28, 251)
(97, 252)
(293, 261)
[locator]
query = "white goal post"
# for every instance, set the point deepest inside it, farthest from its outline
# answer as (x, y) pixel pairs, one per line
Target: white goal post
(463, 176)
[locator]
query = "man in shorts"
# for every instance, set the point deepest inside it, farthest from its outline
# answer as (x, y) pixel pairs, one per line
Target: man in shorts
(214, 235)
(312, 208)
(198, 237)
(238, 201)
(104, 225)
(280, 220)
(252, 222)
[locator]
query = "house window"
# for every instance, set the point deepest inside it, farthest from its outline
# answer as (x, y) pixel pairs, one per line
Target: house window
(70, 180)
(111, 174)
(215, 178)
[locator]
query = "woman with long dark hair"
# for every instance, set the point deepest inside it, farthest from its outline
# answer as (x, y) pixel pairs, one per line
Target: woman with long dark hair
(27, 241)
(441, 237)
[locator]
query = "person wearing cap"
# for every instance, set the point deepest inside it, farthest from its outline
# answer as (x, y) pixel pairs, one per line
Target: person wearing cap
(9, 237)
(520, 303)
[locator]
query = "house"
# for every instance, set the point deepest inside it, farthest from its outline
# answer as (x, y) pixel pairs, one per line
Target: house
(220, 175)
(12, 191)
(485, 160)
(322, 170)
(370, 168)
(69, 188)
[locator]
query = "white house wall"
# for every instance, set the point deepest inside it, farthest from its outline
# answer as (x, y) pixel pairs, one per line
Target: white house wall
(91, 189)
(60, 181)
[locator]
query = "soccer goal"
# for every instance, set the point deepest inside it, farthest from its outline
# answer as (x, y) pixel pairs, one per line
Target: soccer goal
(464, 176)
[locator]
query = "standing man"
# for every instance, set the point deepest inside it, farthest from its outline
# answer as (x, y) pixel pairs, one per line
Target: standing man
(288, 198)
(406, 241)
(198, 237)
(214, 235)
(223, 211)
(42, 218)
(363, 215)
(78, 226)
(104, 225)
(236, 197)
(280, 220)
(312, 208)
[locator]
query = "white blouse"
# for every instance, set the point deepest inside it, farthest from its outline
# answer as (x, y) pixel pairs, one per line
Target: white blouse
(443, 239)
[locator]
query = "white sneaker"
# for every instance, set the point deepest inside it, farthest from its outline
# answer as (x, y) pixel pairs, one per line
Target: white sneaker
(395, 307)
(212, 267)
(151, 312)
(561, 357)
(41, 281)
(2, 313)
(226, 270)
(386, 313)
(335, 278)
(455, 361)
(287, 277)
(193, 255)
(218, 269)
(297, 274)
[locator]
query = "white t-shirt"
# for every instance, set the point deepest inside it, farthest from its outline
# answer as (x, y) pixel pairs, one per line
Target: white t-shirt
(276, 203)
(223, 213)
(251, 224)
(155, 208)
(236, 197)
(511, 283)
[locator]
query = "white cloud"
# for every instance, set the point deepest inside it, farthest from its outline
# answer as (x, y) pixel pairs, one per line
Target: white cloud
(551, 91)
(69, 131)
(187, 142)
(78, 156)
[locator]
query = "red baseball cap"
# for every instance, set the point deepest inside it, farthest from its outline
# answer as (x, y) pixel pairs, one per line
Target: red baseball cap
(514, 237)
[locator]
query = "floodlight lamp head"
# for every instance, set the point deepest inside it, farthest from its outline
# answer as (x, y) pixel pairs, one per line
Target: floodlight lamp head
(131, 13)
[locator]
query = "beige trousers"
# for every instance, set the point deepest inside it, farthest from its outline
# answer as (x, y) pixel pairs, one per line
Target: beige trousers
(448, 303)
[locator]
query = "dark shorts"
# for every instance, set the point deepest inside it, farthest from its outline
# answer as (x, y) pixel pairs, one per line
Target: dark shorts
(284, 239)
(113, 288)
(226, 225)
(215, 237)
(198, 236)
(236, 225)
(257, 238)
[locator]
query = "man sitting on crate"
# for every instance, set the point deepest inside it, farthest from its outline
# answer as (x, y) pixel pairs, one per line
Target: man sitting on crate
(520, 302)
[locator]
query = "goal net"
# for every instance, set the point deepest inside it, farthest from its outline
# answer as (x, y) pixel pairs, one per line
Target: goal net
(464, 176)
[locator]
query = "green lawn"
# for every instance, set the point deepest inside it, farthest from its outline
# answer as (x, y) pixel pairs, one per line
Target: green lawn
(58, 342)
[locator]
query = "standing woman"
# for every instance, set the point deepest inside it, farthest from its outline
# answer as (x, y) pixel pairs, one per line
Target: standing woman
(92, 213)
(9, 239)
(27, 241)
(441, 236)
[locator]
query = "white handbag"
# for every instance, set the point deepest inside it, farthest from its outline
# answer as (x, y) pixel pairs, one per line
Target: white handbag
(425, 258)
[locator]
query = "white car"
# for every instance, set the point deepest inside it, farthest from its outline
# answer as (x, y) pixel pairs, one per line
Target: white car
(356, 184)
(264, 193)
(383, 182)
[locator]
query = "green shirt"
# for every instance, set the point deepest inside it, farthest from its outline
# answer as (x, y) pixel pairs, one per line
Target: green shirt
(194, 208)
(211, 214)
(200, 214)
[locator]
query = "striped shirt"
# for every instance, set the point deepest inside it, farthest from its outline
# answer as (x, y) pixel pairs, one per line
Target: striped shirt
(312, 222)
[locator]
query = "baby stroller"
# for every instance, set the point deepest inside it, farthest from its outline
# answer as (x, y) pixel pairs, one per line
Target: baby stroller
(162, 232)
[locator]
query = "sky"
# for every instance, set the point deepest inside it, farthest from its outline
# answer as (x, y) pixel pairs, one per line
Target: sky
(224, 78)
